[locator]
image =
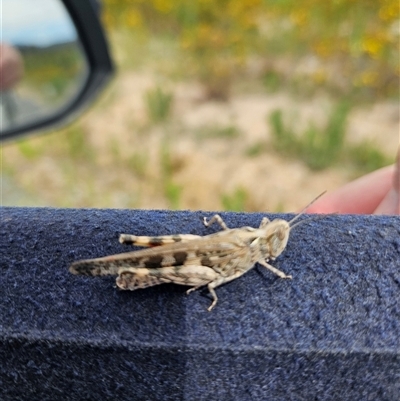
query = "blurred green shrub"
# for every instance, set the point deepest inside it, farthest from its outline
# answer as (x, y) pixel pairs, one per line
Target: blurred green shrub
(158, 103)
(361, 36)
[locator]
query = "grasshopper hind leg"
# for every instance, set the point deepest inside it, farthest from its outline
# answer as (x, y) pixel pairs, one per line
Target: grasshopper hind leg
(129, 239)
(138, 278)
(219, 281)
(216, 218)
(134, 278)
(210, 290)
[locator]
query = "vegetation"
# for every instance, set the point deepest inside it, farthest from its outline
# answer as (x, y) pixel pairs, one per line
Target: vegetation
(359, 38)
(158, 104)
(235, 201)
(141, 152)
(322, 148)
(172, 190)
(217, 131)
(52, 72)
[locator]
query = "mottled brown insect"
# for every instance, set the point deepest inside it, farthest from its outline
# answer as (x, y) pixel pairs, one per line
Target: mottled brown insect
(194, 260)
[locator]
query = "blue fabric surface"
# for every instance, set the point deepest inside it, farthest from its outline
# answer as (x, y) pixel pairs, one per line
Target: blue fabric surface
(331, 333)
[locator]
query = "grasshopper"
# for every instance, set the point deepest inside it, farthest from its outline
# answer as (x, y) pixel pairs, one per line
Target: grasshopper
(194, 260)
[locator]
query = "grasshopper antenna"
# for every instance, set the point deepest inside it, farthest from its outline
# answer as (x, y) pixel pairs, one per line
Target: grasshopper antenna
(304, 210)
(320, 216)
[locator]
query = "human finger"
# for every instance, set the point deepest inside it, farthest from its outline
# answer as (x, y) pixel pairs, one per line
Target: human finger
(361, 196)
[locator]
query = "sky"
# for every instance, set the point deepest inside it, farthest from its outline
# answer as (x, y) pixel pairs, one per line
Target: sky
(35, 22)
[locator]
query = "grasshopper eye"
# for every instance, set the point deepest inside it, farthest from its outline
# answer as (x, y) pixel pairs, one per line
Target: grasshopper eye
(275, 242)
(281, 234)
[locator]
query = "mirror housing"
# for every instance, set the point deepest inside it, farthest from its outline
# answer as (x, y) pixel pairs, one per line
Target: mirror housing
(92, 69)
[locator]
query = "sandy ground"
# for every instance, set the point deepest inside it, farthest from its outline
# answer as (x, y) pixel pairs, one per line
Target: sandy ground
(205, 168)
(208, 168)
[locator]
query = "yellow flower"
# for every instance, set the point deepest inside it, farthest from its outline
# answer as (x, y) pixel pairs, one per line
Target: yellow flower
(372, 46)
(389, 11)
(299, 17)
(133, 18)
(368, 78)
(320, 76)
(163, 6)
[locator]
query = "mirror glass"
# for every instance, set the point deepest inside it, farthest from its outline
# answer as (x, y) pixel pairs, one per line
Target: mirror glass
(42, 63)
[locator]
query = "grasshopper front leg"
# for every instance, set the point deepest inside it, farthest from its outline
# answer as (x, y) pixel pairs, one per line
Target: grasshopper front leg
(264, 222)
(278, 272)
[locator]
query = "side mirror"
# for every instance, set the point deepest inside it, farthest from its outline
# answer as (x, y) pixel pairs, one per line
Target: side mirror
(54, 60)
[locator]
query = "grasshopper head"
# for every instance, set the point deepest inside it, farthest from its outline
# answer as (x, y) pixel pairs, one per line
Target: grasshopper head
(277, 235)
(277, 232)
